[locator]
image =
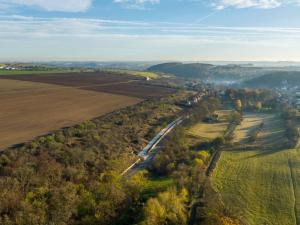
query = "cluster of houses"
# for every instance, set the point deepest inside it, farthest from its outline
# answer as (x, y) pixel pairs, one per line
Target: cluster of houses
(289, 95)
(7, 67)
(296, 99)
(194, 99)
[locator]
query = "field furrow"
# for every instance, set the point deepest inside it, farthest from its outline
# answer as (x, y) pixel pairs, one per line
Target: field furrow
(261, 186)
(32, 109)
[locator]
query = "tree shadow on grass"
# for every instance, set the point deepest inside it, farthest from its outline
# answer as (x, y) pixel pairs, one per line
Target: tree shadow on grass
(263, 153)
(260, 151)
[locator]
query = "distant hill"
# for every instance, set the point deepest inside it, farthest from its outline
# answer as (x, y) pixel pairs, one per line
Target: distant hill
(193, 70)
(275, 79)
(208, 72)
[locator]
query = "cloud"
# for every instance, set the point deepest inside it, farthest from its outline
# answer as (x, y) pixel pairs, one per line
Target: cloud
(19, 27)
(261, 4)
(49, 5)
(136, 4)
(36, 38)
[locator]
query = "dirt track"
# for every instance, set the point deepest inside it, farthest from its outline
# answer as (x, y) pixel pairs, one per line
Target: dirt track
(31, 109)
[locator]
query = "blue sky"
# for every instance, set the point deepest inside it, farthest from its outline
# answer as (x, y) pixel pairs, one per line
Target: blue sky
(130, 30)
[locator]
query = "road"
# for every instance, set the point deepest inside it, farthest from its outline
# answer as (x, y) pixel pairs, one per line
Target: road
(149, 152)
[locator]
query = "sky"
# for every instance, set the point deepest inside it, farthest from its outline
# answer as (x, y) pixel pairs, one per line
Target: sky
(150, 30)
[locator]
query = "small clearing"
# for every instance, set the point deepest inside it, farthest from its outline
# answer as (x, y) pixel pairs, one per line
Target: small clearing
(209, 131)
(250, 122)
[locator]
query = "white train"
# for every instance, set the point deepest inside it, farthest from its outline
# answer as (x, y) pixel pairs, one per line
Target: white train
(144, 154)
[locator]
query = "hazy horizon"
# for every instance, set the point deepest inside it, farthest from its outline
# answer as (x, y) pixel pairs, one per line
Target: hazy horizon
(152, 62)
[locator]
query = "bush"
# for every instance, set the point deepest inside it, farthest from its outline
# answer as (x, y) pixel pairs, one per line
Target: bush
(198, 162)
(219, 141)
(167, 208)
(203, 155)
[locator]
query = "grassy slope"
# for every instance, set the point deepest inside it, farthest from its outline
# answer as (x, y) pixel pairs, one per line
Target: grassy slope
(207, 130)
(249, 123)
(145, 74)
(274, 79)
(21, 72)
(151, 75)
(260, 186)
(156, 184)
(210, 130)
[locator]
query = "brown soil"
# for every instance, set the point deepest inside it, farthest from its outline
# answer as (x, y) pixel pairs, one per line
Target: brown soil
(32, 109)
(100, 81)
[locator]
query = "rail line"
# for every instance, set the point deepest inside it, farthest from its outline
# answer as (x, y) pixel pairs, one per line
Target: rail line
(146, 155)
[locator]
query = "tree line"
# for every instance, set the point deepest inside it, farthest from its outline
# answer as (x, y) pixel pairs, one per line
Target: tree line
(71, 177)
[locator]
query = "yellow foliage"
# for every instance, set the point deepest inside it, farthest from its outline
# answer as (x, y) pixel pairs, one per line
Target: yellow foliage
(168, 206)
(229, 221)
(238, 104)
(198, 162)
(204, 155)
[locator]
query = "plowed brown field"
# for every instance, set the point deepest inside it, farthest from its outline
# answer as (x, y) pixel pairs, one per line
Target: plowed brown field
(99, 81)
(30, 109)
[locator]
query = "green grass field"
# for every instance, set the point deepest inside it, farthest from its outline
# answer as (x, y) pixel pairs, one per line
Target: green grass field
(129, 72)
(21, 72)
(137, 73)
(156, 184)
(249, 123)
(209, 131)
(261, 186)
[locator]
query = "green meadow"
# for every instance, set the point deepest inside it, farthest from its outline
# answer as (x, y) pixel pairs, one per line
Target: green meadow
(261, 186)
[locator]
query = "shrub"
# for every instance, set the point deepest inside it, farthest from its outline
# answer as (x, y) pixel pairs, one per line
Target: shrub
(203, 155)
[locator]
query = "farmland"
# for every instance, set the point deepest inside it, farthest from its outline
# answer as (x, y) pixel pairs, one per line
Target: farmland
(209, 131)
(101, 82)
(250, 122)
(21, 72)
(135, 73)
(260, 186)
(33, 109)
(38, 104)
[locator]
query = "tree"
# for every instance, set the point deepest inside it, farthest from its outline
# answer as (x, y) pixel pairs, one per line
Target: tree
(219, 141)
(238, 104)
(235, 117)
(167, 208)
(258, 106)
(154, 212)
(135, 185)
